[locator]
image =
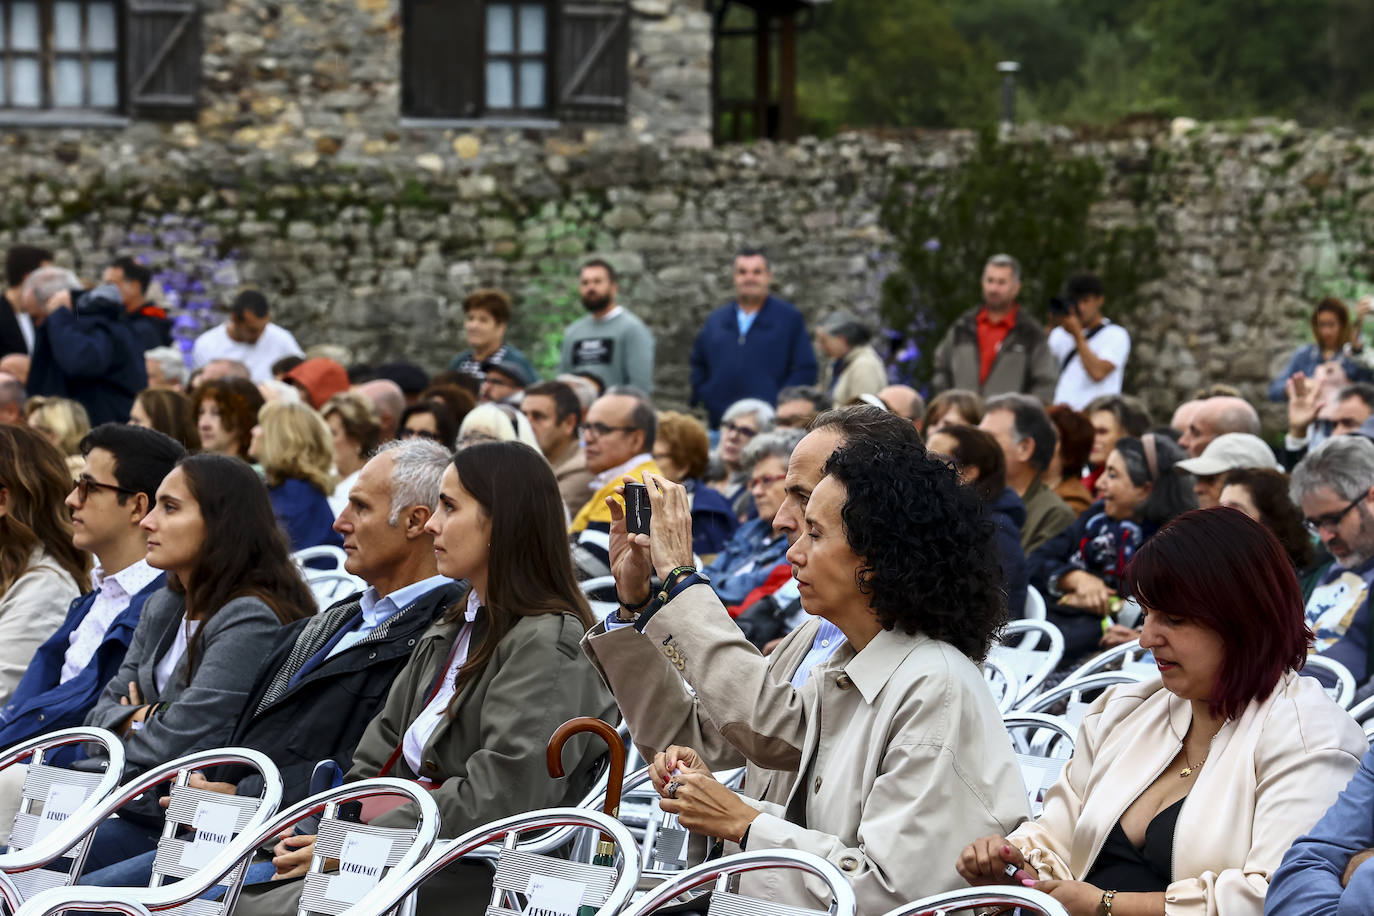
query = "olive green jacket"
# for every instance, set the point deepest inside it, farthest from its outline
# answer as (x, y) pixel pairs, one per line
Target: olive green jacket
(490, 757)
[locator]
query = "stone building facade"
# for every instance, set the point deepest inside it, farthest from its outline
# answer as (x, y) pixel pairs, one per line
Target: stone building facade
(298, 169)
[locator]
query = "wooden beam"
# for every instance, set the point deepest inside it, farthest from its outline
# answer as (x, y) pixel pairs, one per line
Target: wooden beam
(763, 73)
(787, 78)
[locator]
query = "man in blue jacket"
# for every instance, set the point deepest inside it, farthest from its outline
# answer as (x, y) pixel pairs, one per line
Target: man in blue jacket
(124, 465)
(752, 347)
(84, 346)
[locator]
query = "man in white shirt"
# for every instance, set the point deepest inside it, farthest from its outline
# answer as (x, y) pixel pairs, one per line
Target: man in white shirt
(1090, 350)
(249, 337)
(124, 466)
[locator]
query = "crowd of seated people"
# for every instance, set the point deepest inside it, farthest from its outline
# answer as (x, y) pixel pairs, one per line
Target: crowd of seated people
(824, 574)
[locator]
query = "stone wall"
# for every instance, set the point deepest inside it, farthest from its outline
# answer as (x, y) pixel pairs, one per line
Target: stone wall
(299, 177)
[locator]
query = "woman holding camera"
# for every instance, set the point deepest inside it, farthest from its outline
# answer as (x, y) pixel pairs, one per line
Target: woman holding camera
(1183, 794)
(894, 739)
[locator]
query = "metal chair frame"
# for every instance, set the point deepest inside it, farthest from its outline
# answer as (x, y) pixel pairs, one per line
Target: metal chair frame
(1035, 604)
(1073, 690)
(1037, 746)
(63, 839)
(143, 901)
(996, 674)
(720, 870)
(1027, 900)
(320, 552)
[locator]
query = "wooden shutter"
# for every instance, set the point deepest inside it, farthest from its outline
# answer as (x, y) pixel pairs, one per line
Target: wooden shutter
(593, 60)
(162, 58)
(441, 58)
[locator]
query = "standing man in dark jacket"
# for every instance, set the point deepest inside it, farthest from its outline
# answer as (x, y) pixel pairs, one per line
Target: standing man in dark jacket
(997, 348)
(329, 675)
(84, 347)
(16, 325)
(151, 323)
(752, 347)
(117, 486)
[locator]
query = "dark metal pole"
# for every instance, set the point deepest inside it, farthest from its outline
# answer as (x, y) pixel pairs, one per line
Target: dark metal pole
(1008, 69)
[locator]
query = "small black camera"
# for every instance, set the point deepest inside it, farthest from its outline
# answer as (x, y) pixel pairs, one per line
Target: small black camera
(638, 510)
(1062, 307)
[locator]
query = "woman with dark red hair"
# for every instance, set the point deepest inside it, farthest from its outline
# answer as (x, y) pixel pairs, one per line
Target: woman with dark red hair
(1188, 790)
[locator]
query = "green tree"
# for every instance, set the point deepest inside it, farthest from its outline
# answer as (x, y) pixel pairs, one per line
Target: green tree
(1018, 198)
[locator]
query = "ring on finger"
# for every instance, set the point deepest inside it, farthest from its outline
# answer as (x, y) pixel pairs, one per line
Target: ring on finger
(672, 788)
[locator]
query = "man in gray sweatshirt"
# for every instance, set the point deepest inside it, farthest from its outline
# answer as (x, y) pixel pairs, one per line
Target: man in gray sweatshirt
(610, 342)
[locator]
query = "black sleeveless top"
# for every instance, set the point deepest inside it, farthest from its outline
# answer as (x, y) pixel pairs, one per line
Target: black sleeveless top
(1121, 867)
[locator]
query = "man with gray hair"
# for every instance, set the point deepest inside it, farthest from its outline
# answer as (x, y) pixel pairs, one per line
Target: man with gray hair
(84, 346)
(328, 675)
(12, 397)
(996, 348)
(166, 368)
(1334, 487)
(1027, 436)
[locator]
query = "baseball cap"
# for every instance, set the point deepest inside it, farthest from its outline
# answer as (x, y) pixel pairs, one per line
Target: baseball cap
(1228, 452)
(511, 369)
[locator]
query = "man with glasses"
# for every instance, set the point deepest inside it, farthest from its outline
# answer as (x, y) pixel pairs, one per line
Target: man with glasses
(1334, 487)
(618, 440)
(124, 466)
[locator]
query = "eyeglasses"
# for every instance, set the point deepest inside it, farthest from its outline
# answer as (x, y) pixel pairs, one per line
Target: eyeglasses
(1314, 526)
(601, 429)
(744, 431)
(765, 481)
(85, 484)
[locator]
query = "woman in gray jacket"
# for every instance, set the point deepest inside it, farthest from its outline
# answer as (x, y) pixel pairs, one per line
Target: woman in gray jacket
(199, 642)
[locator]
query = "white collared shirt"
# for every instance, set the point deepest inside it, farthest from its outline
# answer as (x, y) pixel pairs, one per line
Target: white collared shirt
(613, 313)
(377, 610)
(413, 744)
(113, 593)
(617, 472)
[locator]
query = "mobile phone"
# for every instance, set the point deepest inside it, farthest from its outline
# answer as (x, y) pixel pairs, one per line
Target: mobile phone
(638, 510)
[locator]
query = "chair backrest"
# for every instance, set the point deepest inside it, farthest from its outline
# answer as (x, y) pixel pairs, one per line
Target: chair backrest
(544, 882)
(1128, 658)
(728, 903)
(1344, 690)
(1075, 696)
(23, 871)
(335, 556)
(1363, 711)
(1030, 649)
(1043, 744)
(1035, 604)
(600, 593)
(1002, 682)
(57, 805)
(370, 862)
(663, 850)
(331, 587)
(1026, 900)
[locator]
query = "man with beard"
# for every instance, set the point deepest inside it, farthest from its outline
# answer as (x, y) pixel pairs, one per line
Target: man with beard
(610, 342)
(1334, 487)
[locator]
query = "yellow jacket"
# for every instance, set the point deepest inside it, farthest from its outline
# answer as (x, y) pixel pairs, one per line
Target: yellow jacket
(595, 511)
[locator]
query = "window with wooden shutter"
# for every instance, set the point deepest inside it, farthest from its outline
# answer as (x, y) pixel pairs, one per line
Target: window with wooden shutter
(163, 58)
(593, 60)
(441, 54)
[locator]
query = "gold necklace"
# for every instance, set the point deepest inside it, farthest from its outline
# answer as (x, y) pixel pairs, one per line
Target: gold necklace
(1188, 770)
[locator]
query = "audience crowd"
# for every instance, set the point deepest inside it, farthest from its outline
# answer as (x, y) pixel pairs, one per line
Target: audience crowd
(830, 560)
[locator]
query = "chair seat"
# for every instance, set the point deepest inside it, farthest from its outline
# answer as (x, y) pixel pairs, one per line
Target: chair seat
(514, 870)
(728, 904)
(36, 880)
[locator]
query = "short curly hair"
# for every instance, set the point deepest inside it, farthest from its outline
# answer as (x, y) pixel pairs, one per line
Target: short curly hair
(930, 560)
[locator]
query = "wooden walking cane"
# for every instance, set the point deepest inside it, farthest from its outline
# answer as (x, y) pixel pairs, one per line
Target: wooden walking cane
(615, 776)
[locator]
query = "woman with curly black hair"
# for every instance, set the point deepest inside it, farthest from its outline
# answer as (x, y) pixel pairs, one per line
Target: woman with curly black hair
(894, 738)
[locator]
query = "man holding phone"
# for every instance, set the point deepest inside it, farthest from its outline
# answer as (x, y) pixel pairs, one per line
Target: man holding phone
(1091, 351)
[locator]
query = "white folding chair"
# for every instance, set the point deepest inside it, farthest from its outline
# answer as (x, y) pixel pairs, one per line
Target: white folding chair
(1043, 744)
(1035, 604)
(1001, 682)
(524, 874)
(22, 874)
(1076, 696)
(596, 591)
(1128, 658)
(331, 587)
(366, 854)
(725, 902)
(1031, 650)
(335, 556)
(1363, 713)
(969, 899)
(1344, 691)
(57, 809)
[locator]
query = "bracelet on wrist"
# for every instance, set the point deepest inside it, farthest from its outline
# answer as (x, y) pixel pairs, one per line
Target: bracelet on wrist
(1104, 908)
(676, 576)
(635, 608)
